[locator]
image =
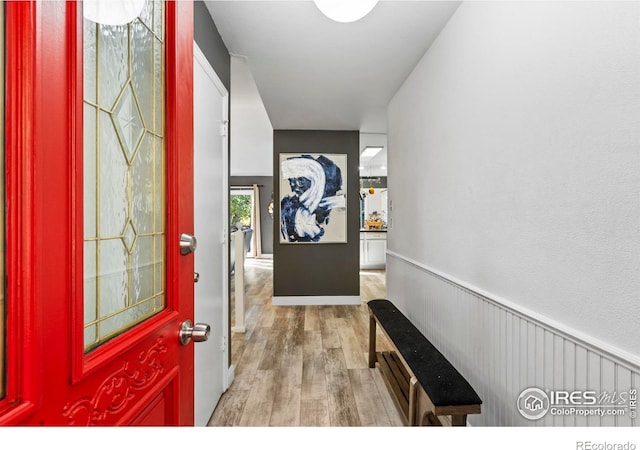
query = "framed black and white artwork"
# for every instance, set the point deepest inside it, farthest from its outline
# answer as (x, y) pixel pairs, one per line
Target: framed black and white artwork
(313, 198)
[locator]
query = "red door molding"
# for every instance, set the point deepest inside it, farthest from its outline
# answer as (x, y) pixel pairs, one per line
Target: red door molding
(23, 350)
(119, 389)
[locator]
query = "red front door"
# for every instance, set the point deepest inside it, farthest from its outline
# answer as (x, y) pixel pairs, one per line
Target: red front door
(99, 189)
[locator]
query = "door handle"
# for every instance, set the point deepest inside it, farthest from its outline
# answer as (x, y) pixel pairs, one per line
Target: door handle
(188, 244)
(198, 332)
(196, 277)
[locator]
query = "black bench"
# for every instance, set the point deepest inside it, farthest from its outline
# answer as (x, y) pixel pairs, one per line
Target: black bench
(425, 385)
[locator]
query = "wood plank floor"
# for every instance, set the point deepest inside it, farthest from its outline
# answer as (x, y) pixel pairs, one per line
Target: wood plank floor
(305, 365)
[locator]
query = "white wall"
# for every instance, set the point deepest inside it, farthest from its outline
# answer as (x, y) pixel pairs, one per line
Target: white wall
(514, 169)
(251, 130)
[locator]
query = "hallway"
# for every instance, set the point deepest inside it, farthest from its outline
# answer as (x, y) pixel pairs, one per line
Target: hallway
(304, 365)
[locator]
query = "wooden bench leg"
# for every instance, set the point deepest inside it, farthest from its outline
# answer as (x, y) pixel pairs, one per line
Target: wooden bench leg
(413, 400)
(372, 341)
(430, 420)
(459, 420)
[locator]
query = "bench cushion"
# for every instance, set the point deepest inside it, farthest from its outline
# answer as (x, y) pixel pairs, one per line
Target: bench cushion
(444, 385)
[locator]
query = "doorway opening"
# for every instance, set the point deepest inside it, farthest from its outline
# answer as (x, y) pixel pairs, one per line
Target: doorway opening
(242, 216)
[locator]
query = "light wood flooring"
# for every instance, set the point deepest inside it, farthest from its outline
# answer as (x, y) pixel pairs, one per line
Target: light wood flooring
(305, 365)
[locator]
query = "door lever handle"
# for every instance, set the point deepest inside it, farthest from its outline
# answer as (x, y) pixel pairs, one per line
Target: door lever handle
(196, 277)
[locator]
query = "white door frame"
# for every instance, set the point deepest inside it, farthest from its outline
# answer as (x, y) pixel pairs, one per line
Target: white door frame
(228, 371)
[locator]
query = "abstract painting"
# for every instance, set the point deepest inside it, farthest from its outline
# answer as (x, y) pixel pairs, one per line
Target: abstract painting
(313, 198)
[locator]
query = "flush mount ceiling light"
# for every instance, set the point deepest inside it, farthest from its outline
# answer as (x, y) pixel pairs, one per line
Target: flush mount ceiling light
(370, 152)
(345, 10)
(112, 12)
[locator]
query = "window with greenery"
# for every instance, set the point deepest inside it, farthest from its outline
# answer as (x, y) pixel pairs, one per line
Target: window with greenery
(240, 208)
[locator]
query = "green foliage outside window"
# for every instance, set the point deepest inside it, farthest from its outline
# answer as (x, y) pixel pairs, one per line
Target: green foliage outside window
(240, 209)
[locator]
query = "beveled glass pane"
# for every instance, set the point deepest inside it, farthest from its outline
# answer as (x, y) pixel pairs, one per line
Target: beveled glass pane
(158, 21)
(124, 157)
(90, 148)
(90, 281)
(90, 335)
(159, 185)
(146, 16)
(158, 64)
(113, 65)
(142, 269)
(90, 61)
(128, 121)
(114, 171)
(129, 236)
(142, 74)
(114, 278)
(126, 318)
(158, 256)
(142, 172)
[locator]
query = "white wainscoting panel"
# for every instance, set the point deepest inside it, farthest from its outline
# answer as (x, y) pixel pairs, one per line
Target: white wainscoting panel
(501, 348)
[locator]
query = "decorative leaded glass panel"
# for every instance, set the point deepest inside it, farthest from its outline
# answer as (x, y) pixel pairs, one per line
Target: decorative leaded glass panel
(124, 264)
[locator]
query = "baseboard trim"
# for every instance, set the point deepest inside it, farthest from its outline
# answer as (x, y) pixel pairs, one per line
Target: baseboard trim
(230, 376)
(313, 300)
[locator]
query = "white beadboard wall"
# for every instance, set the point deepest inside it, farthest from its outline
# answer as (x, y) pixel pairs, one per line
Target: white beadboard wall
(502, 349)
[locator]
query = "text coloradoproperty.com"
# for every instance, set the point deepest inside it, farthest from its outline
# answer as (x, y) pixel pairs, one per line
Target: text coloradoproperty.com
(571, 411)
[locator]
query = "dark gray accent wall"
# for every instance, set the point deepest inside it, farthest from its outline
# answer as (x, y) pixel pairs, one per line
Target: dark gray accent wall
(210, 42)
(266, 221)
(318, 269)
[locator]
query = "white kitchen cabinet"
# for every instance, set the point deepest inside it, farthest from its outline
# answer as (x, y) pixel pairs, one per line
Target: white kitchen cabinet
(373, 249)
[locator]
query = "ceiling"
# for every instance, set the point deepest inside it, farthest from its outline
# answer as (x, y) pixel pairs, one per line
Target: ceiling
(314, 73)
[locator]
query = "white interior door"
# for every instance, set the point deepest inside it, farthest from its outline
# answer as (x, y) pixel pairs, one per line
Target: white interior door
(211, 263)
